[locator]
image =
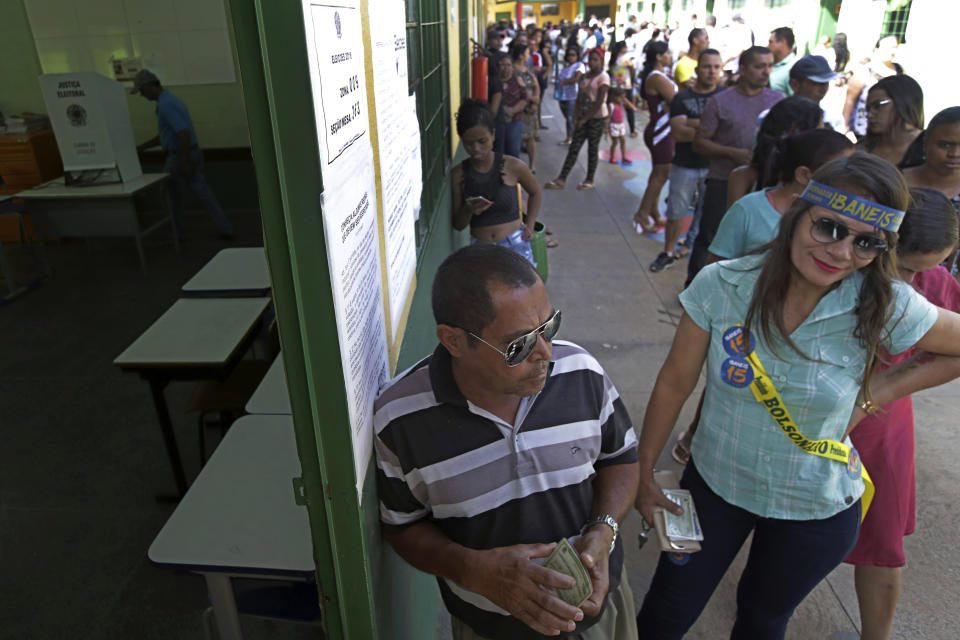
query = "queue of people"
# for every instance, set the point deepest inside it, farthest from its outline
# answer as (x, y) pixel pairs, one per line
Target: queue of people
(821, 292)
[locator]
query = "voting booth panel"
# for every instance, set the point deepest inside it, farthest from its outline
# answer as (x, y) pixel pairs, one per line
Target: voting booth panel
(91, 121)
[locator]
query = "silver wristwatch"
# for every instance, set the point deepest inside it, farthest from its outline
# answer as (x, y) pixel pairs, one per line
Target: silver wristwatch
(606, 519)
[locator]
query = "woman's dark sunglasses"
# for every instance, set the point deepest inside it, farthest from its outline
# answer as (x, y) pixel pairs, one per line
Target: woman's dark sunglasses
(520, 348)
(828, 231)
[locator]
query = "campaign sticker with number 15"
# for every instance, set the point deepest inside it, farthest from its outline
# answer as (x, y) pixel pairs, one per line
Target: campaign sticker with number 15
(737, 341)
(736, 373)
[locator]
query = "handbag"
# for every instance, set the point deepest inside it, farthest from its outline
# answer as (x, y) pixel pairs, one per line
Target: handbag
(538, 241)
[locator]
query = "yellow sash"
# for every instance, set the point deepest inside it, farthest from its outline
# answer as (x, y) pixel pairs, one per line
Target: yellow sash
(767, 395)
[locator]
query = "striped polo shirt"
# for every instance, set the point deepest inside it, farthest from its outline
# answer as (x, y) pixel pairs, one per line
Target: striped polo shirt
(486, 483)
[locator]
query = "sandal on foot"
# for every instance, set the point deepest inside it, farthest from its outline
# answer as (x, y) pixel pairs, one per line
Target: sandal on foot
(548, 231)
(552, 243)
(680, 453)
(584, 186)
(555, 184)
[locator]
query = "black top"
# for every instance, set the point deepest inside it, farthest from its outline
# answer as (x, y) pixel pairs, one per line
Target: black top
(913, 156)
(506, 206)
(690, 103)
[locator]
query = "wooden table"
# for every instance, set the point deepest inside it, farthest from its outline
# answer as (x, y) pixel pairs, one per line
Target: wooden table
(240, 516)
(232, 272)
(196, 339)
(272, 396)
(105, 210)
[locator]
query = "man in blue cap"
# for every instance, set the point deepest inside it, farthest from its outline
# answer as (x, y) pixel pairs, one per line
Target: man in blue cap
(184, 161)
(810, 78)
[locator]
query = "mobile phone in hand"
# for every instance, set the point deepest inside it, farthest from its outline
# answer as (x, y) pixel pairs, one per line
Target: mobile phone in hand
(475, 200)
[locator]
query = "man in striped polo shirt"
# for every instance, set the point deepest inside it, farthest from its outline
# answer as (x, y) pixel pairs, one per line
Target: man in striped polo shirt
(498, 445)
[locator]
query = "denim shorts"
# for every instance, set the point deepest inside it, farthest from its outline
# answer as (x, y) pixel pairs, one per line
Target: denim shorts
(685, 184)
(515, 242)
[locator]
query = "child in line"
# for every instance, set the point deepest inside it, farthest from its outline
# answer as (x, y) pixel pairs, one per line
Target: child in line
(618, 125)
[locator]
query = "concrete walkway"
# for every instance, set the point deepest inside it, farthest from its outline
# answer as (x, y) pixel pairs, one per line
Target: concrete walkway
(626, 316)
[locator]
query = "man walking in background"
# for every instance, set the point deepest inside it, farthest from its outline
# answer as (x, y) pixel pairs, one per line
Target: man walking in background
(184, 161)
(698, 40)
(688, 175)
(727, 135)
(781, 45)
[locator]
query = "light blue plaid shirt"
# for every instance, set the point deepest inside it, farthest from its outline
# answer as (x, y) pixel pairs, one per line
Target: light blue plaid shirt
(739, 450)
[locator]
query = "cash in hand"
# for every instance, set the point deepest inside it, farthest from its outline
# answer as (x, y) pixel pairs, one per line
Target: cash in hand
(685, 526)
(565, 560)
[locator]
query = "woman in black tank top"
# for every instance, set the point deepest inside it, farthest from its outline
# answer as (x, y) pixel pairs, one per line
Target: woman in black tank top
(485, 186)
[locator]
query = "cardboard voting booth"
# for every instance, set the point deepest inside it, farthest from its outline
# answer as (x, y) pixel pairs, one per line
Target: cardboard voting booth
(91, 121)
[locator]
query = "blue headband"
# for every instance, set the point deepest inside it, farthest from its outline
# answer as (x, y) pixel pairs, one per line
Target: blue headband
(856, 207)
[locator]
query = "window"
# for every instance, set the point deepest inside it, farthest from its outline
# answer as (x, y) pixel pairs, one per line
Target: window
(737, 4)
(895, 19)
(774, 4)
(600, 10)
(552, 9)
(427, 77)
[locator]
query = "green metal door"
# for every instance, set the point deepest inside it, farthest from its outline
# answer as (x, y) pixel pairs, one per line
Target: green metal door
(364, 586)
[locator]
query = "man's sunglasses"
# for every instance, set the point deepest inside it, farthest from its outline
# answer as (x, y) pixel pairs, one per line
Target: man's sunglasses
(828, 231)
(520, 348)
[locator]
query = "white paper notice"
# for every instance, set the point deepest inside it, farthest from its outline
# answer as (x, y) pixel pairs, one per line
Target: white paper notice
(415, 162)
(388, 34)
(349, 210)
(336, 52)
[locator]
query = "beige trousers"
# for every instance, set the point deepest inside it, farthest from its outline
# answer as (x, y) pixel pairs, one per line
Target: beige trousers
(618, 621)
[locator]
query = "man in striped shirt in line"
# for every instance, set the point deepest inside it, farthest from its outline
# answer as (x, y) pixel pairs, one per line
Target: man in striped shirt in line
(498, 445)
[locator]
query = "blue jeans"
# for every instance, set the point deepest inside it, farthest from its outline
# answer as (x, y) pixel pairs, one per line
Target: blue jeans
(713, 205)
(687, 187)
(788, 558)
(515, 242)
(178, 183)
(508, 137)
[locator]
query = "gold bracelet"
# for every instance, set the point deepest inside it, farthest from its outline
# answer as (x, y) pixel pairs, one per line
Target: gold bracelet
(867, 406)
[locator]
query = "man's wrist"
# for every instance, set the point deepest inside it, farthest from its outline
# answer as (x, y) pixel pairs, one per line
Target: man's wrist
(466, 568)
(604, 525)
(605, 540)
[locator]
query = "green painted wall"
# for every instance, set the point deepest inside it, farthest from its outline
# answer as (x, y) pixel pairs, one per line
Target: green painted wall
(217, 109)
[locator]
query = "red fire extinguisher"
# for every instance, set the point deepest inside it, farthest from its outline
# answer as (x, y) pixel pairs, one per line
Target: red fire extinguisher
(478, 71)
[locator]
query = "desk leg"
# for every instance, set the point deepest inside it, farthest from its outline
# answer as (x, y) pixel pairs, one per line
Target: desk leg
(173, 223)
(221, 595)
(7, 273)
(137, 238)
(37, 247)
(169, 439)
